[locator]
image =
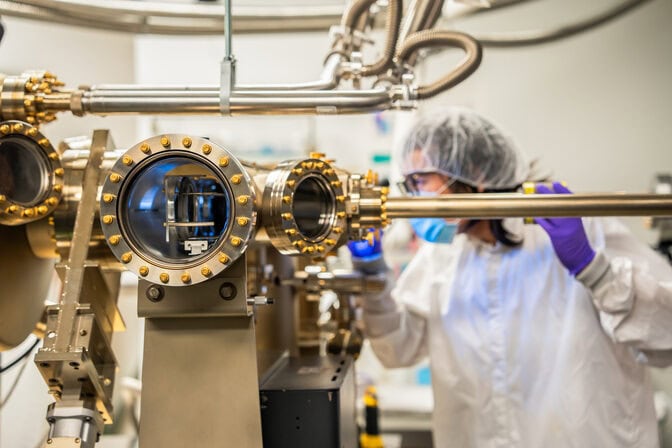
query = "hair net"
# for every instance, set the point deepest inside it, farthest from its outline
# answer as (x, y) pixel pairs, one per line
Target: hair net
(464, 146)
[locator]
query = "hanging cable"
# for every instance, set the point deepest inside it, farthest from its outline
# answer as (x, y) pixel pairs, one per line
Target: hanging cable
(21, 357)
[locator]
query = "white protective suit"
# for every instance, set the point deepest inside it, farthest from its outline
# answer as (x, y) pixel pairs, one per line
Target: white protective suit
(523, 354)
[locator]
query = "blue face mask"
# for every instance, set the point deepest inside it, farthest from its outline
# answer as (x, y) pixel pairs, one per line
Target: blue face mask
(434, 230)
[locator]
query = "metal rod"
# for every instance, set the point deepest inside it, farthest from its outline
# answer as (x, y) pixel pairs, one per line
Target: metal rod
(228, 49)
(240, 102)
(503, 205)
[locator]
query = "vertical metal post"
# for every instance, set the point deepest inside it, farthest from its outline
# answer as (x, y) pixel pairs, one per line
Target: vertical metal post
(228, 66)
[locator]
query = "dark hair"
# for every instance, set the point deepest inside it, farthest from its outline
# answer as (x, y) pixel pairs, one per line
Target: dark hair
(496, 227)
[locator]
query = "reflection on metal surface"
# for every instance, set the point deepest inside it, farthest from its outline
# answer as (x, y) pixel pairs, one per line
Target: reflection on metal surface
(177, 209)
(502, 205)
(304, 207)
(31, 174)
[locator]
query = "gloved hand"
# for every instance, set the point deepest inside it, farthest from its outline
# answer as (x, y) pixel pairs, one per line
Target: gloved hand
(363, 251)
(567, 235)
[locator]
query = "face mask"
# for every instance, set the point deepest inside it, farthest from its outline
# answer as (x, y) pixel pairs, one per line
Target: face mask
(434, 230)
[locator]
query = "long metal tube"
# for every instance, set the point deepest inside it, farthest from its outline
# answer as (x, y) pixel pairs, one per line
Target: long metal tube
(241, 102)
(328, 80)
(502, 205)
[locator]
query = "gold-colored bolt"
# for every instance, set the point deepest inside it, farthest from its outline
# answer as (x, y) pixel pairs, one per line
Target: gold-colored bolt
(330, 242)
(243, 199)
(308, 250)
(297, 171)
(205, 271)
(319, 248)
(114, 240)
(59, 172)
(13, 208)
(286, 216)
(27, 213)
(328, 172)
(143, 271)
(29, 86)
(186, 141)
(145, 148)
(336, 183)
(164, 277)
(316, 155)
(115, 178)
(52, 202)
(58, 188)
(3, 197)
(307, 165)
(127, 257)
(319, 165)
(300, 244)
(340, 198)
(236, 178)
(207, 149)
(4, 129)
(165, 142)
(287, 199)
(185, 277)
(385, 190)
(53, 155)
(27, 102)
(223, 258)
(243, 221)
(43, 142)
(127, 160)
(383, 198)
(18, 127)
(291, 183)
(290, 232)
(340, 215)
(32, 132)
(223, 161)
(337, 230)
(108, 198)
(235, 241)
(108, 219)
(383, 216)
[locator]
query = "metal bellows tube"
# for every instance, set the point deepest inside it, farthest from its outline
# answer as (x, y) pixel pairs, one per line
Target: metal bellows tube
(502, 205)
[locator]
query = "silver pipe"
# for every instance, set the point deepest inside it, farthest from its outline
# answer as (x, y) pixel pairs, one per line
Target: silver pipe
(328, 80)
(503, 205)
(172, 18)
(241, 102)
(228, 44)
(535, 37)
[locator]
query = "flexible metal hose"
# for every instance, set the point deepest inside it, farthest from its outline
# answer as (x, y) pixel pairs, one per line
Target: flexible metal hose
(393, 24)
(437, 38)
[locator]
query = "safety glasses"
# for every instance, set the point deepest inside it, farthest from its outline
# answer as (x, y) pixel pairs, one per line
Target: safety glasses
(414, 183)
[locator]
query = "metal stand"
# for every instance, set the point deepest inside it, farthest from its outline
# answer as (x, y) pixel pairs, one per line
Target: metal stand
(199, 375)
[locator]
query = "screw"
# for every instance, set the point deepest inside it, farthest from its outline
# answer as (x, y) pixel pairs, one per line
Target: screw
(82, 332)
(155, 293)
(227, 291)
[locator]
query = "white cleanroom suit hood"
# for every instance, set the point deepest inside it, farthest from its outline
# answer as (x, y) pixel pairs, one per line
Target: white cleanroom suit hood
(522, 354)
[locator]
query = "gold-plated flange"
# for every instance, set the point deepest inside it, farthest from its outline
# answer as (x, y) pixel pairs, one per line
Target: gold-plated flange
(23, 96)
(302, 210)
(240, 216)
(31, 174)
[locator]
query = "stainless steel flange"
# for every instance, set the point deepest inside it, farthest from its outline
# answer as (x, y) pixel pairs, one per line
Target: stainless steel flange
(31, 174)
(304, 207)
(178, 210)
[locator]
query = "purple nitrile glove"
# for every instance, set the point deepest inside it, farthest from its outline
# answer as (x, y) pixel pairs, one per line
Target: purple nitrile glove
(363, 251)
(567, 235)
